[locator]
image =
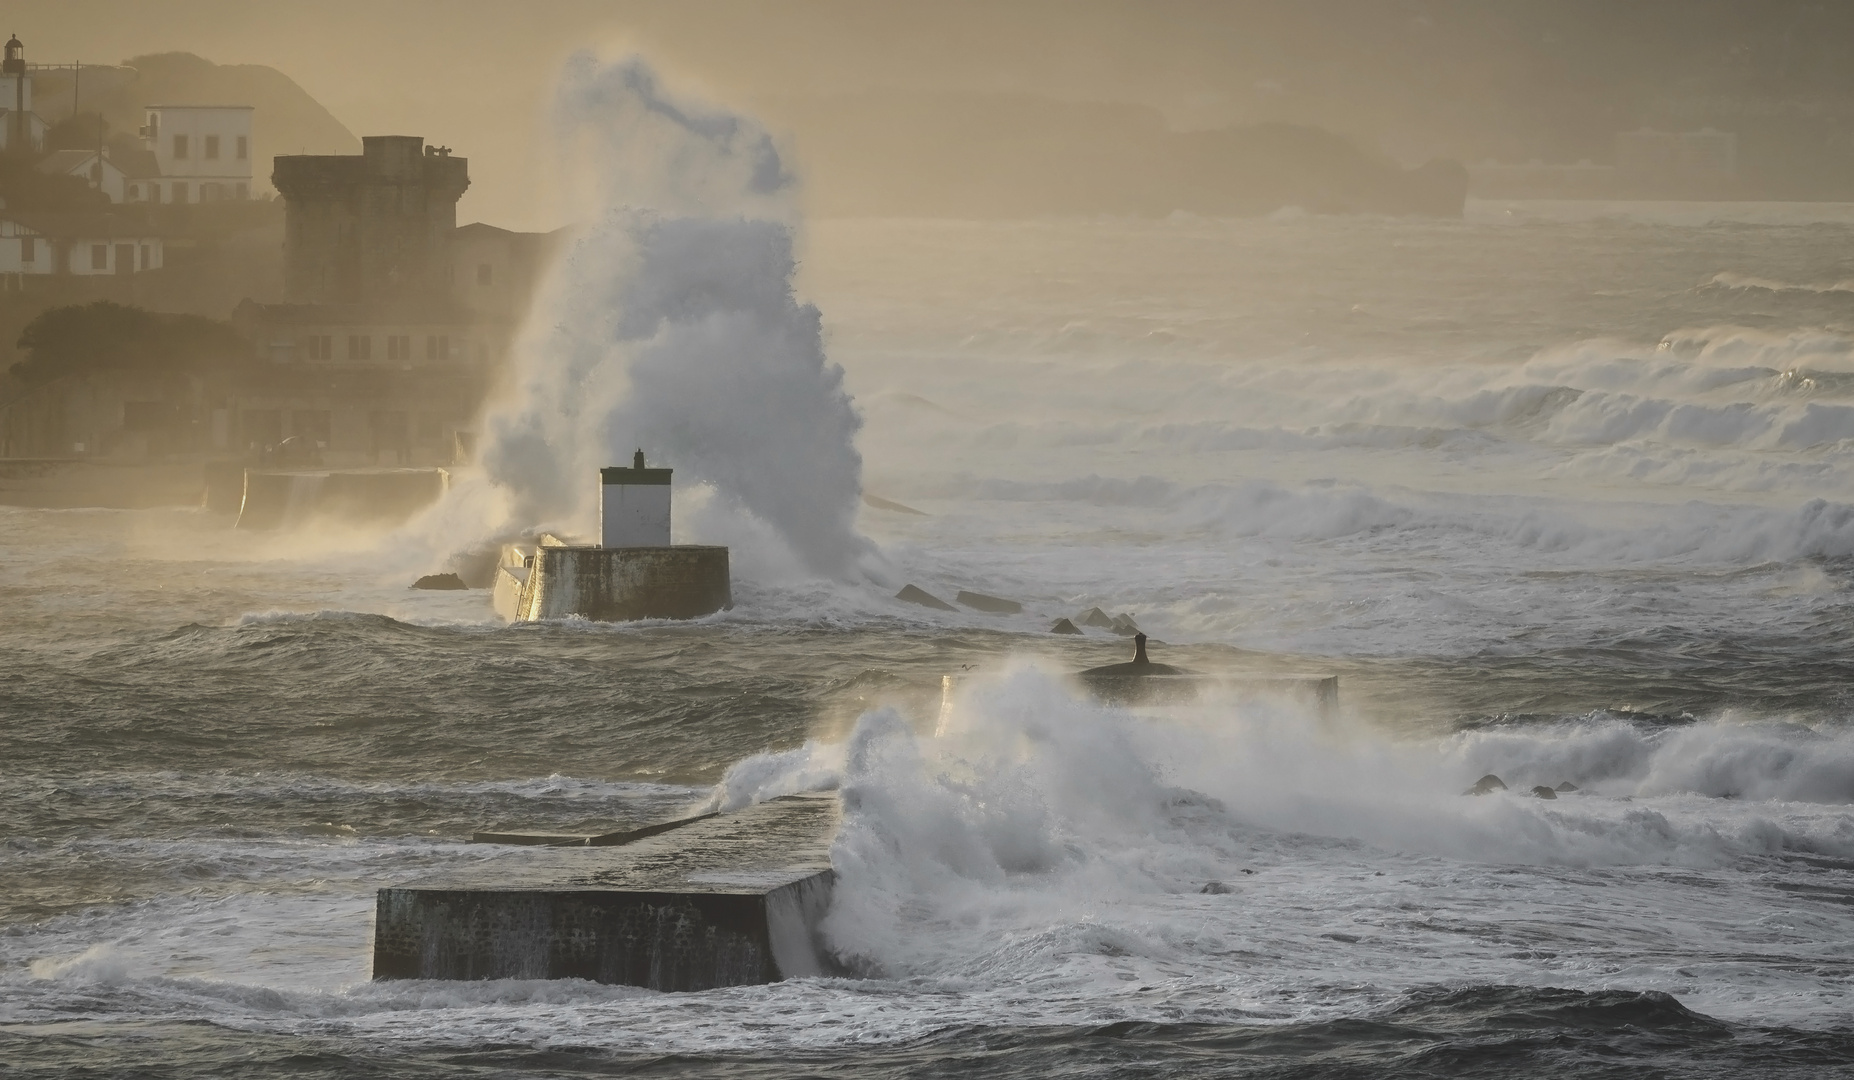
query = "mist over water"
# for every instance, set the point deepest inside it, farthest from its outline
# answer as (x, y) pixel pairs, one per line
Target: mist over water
(671, 325)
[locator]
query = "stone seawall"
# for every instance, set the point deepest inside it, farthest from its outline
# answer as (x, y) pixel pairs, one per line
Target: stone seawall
(728, 900)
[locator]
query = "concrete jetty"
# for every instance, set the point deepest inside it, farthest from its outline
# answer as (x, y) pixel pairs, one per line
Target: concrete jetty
(283, 498)
(724, 900)
(634, 572)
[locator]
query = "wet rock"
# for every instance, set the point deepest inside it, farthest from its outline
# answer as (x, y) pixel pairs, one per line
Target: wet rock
(993, 604)
(1349, 939)
(1094, 616)
(1486, 785)
(1567, 786)
(1064, 626)
(1216, 888)
(914, 595)
(439, 581)
(1543, 792)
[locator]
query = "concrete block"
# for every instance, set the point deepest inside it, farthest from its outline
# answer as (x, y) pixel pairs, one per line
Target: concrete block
(729, 900)
(993, 604)
(555, 581)
(914, 594)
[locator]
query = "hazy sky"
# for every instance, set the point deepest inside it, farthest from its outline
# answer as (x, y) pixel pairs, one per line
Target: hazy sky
(1507, 79)
(475, 74)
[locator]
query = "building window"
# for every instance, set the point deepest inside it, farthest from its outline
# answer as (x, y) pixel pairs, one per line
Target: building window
(212, 148)
(360, 347)
(180, 148)
(243, 150)
(483, 273)
(399, 346)
(147, 257)
(180, 193)
(135, 192)
(28, 249)
(125, 258)
(99, 256)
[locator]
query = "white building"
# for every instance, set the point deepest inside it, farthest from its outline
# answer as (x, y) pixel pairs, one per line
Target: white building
(79, 244)
(17, 120)
(203, 152)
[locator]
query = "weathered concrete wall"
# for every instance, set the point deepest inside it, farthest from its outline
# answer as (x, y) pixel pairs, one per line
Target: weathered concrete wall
(286, 498)
(621, 584)
(729, 900)
(660, 940)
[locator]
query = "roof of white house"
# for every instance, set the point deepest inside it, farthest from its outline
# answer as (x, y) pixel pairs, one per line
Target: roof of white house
(67, 161)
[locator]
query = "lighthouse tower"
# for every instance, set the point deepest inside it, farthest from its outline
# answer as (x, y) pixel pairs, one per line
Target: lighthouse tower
(634, 506)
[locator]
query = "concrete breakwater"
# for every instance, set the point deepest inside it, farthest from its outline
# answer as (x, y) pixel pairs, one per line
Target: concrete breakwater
(279, 498)
(724, 900)
(551, 579)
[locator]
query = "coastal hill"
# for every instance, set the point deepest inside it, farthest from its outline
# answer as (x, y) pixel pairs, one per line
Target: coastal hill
(288, 120)
(1009, 155)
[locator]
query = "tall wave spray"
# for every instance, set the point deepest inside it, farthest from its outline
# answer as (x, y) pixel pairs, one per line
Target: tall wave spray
(671, 325)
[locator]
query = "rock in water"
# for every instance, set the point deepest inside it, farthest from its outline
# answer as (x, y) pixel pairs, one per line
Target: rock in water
(440, 581)
(1064, 626)
(1567, 786)
(914, 595)
(1543, 792)
(1094, 616)
(993, 604)
(1486, 785)
(1216, 888)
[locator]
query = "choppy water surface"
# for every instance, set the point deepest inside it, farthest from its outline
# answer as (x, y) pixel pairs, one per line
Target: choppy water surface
(1561, 495)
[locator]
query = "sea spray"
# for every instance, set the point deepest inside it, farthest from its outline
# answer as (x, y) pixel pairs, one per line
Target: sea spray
(671, 325)
(1015, 837)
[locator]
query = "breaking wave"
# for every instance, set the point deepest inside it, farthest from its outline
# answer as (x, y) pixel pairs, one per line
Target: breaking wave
(671, 325)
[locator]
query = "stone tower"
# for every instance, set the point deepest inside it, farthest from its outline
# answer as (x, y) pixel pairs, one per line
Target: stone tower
(373, 229)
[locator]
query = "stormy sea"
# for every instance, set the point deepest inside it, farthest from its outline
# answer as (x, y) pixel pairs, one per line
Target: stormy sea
(1560, 492)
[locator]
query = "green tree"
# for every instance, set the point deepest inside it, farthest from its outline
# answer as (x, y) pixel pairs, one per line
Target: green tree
(107, 336)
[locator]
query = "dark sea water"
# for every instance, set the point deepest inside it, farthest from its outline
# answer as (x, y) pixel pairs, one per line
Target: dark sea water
(1559, 493)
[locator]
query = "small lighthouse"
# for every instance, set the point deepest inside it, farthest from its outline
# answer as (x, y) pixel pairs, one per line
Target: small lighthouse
(633, 572)
(634, 506)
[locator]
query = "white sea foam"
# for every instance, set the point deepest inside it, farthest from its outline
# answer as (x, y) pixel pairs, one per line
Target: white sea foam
(670, 324)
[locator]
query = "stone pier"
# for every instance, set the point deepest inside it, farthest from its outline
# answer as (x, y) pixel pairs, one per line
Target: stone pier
(725, 900)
